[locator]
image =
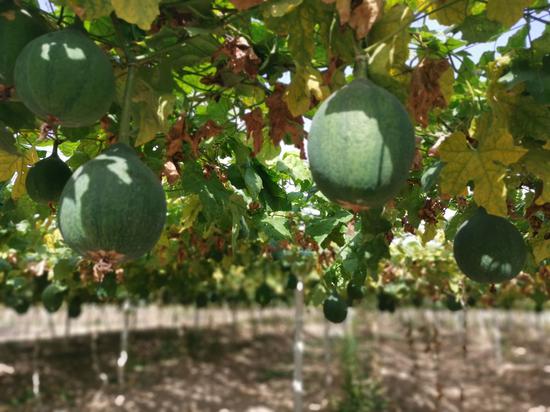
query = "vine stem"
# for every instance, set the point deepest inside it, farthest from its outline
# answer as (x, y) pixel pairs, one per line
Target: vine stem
(124, 131)
(124, 134)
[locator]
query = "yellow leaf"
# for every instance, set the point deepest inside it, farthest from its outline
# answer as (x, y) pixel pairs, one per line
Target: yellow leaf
(429, 233)
(446, 84)
(9, 164)
(537, 162)
(91, 9)
(306, 83)
(541, 248)
(506, 12)
(280, 8)
(191, 208)
(139, 12)
(485, 166)
(389, 50)
(153, 118)
(446, 12)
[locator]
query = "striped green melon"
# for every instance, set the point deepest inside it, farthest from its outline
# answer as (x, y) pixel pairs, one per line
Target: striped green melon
(489, 249)
(47, 178)
(113, 207)
(361, 146)
(64, 77)
(17, 28)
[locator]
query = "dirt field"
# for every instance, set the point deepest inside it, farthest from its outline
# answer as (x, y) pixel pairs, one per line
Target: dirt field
(247, 367)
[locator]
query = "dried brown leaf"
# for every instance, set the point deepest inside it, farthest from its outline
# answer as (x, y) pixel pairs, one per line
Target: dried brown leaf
(364, 16)
(241, 56)
(344, 9)
(425, 93)
(245, 4)
(254, 122)
(281, 121)
(171, 172)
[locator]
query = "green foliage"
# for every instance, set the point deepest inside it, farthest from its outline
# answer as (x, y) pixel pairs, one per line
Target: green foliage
(209, 112)
(361, 392)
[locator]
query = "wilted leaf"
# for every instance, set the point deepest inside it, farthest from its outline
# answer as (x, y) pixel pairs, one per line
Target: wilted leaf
(427, 88)
(485, 166)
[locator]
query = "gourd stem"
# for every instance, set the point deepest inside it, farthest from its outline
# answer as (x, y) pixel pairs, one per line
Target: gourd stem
(124, 134)
(54, 149)
(361, 60)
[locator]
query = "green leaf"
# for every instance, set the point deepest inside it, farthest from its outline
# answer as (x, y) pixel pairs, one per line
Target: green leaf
(275, 228)
(253, 182)
(320, 229)
(298, 19)
(479, 28)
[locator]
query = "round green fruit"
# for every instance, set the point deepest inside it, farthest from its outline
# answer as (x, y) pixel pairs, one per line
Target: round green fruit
(264, 294)
(201, 300)
(387, 302)
(489, 249)
(355, 292)
(17, 28)
(74, 308)
(47, 178)
(52, 297)
(335, 309)
(113, 207)
(361, 146)
(64, 77)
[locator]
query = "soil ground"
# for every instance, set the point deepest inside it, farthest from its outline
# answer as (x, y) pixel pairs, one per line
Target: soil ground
(220, 366)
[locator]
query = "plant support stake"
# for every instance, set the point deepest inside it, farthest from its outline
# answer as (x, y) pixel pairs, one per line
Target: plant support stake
(298, 380)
